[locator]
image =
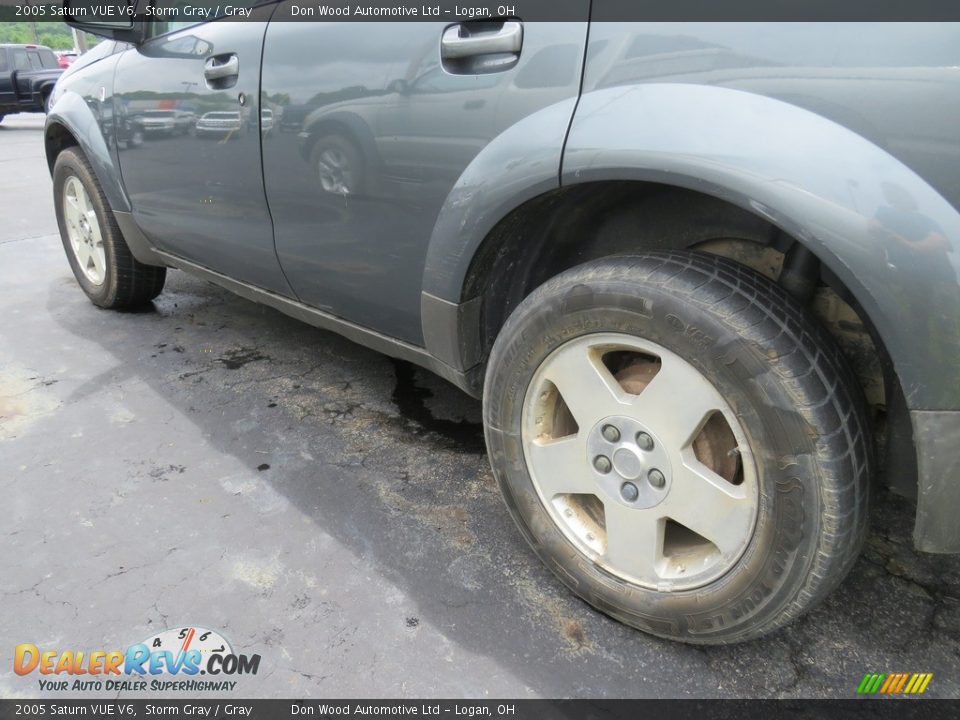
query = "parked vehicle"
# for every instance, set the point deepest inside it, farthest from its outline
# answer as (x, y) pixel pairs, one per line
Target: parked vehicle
(66, 58)
(704, 276)
(219, 123)
(27, 77)
(266, 121)
(164, 122)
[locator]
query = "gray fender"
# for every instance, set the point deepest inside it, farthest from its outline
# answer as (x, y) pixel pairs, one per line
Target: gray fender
(73, 114)
(518, 165)
(818, 181)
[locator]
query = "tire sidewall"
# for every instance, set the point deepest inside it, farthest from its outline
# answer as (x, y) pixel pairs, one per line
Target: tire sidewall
(771, 569)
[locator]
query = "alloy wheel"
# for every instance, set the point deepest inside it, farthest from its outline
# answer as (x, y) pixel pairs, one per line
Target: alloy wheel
(83, 230)
(640, 461)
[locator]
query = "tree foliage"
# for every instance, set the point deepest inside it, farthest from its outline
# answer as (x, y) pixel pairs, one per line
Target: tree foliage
(52, 34)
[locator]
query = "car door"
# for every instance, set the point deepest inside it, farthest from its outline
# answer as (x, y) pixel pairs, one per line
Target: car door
(195, 182)
(372, 136)
(7, 95)
(20, 62)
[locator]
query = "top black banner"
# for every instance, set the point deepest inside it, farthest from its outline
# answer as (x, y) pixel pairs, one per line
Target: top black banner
(194, 11)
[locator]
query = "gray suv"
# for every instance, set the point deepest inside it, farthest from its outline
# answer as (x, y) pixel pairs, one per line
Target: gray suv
(703, 275)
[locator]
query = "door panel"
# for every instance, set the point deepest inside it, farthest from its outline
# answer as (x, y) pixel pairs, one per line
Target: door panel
(371, 133)
(8, 97)
(189, 101)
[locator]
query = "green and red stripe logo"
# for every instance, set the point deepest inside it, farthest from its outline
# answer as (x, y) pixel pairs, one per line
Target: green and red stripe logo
(894, 683)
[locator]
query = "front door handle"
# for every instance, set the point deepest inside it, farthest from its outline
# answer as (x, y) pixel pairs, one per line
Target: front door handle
(458, 42)
(221, 67)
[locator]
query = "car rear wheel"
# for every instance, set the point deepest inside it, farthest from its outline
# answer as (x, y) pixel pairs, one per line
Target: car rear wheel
(680, 443)
(100, 258)
(339, 165)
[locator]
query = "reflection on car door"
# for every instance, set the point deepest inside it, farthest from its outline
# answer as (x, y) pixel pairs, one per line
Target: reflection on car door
(372, 136)
(195, 182)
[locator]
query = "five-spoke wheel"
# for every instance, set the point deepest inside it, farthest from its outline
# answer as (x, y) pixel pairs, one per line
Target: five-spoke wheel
(640, 461)
(681, 443)
(83, 230)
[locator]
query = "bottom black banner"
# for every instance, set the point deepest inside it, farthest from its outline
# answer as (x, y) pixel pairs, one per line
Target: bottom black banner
(509, 709)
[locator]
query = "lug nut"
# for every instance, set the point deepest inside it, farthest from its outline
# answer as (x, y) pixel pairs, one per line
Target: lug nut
(629, 492)
(656, 478)
(644, 441)
(602, 464)
(611, 434)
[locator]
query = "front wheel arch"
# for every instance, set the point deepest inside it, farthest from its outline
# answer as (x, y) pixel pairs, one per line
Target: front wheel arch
(73, 123)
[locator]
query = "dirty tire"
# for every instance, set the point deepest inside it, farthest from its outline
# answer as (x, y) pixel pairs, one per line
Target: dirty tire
(127, 282)
(797, 402)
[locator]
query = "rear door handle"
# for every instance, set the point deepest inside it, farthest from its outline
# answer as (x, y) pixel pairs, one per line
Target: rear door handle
(221, 67)
(457, 42)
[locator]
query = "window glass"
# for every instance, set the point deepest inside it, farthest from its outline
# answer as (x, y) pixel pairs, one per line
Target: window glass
(162, 27)
(48, 59)
(20, 61)
(35, 62)
(4, 66)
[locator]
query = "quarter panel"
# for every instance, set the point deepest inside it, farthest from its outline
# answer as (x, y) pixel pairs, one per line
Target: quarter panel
(896, 84)
(885, 232)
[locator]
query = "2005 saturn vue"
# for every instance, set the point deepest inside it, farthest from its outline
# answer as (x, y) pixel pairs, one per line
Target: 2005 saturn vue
(704, 276)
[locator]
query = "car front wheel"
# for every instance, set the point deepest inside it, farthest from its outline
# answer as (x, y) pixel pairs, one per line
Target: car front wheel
(681, 443)
(98, 255)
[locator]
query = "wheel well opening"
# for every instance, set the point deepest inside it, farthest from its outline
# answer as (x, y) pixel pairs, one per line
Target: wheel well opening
(569, 226)
(56, 140)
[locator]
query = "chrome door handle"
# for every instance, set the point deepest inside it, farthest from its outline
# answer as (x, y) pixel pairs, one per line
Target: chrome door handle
(458, 43)
(217, 68)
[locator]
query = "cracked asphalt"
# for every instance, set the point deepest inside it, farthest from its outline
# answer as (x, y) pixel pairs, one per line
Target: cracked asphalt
(211, 462)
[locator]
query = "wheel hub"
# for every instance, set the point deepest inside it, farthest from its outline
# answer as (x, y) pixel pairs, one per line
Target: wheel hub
(627, 461)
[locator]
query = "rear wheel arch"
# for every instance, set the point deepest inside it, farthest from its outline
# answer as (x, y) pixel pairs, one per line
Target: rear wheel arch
(574, 224)
(566, 227)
